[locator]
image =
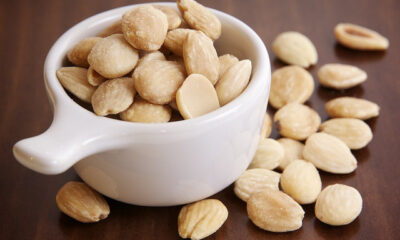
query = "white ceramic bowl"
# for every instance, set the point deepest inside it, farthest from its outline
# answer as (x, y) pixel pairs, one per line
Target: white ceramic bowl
(152, 164)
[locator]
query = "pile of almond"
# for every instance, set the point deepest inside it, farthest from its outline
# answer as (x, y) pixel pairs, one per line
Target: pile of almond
(153, 63)
(307, 146)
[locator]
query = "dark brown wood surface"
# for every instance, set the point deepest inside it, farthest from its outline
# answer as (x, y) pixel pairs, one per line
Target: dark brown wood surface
(27, 199)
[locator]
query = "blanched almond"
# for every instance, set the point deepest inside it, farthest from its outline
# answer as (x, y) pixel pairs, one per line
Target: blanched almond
(226, 61)
(145, 27)
(79, 53)
(301, 181)
(113, 57)
(295, 48)
(340, 76)
(146, 112)
(267, 126)
(114, 28)
(201, 219)
(297, 121)
(293, 150)
(290, 84)
(338, 205)
(360, 38)
(268, 155)
(200, 56)
(173, 16)
(74, 79)
(255, 180)
(350, 107)
(200, 18)
(196, 97)
(113, 96)
(274, 211)
(175, 39)
(233, 82)
(354, 132)
(79, 201)
(149, 56)
(157, 81)
(329, 153)
(94, 78)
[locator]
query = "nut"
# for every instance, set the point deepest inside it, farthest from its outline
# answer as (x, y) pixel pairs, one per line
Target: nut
(295, 48)
(145, 27)
(94, 78)
(329, 153)
(175, 39)
(145, 112)
(155, 55)
(157, 81)
(200, 18)
(79, 201)
(297, 121)
(173, 16)
(113, 96)
(114, 28)
(290, 84)
(233, 82)
(354, 132)
(226, 61)
(267, 127)
(301, 181)
(293, 150)
(113, 57)
(79, 53)
(255, 180)
(340, 76)
(201, 219)
(74, 79)
(196, 97)
(268, 155)
(360, 38)
(338, 205)
(200, 56)
(350, 107)
(274, 211)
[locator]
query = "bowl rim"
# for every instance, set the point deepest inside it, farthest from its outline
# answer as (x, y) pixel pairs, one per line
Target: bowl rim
(61, 101)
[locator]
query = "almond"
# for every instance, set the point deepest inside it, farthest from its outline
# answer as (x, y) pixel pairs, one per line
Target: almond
(267, 127)
(79, 53)
(293, 150)
(173, 16)
(351, 107)
(268, 155)
(341, 76)
(74, 79)
(146, 112)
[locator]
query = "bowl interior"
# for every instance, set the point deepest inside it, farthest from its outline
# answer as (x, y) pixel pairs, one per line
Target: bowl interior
(237, 38)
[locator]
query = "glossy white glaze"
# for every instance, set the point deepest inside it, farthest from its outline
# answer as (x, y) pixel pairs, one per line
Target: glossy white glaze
(152, 164)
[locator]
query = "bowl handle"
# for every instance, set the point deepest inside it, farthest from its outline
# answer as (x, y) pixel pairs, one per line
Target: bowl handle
(63, 144)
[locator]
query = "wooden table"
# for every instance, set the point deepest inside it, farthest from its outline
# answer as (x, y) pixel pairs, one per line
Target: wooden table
(27, 199)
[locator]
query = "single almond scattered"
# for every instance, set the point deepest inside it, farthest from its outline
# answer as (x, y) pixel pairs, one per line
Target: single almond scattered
(329, 154)
(293, 150)
(255, 180)
(200, 56)
(74, 79)
(351, 107)
(267, 127)
(79, 201)
(341, 76)
(113, 57)
(233, 82)
(290, 84)
(113, 96)
(268, 155)
(274, 211)
(157, 81)
(196, 97)
(146, 112)
(145, 27)
(360, 38)
(301, 181)
(201, 219)
(354, 132)
(295, 48)
(338, 205)
(79, 53)
(200, 18)
(297, 121)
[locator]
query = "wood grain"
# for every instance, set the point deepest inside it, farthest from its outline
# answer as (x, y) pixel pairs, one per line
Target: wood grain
(27, 207)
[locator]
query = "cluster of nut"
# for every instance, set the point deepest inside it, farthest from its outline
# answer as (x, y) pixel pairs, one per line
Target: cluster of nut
(155, 59)
(328, 150)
